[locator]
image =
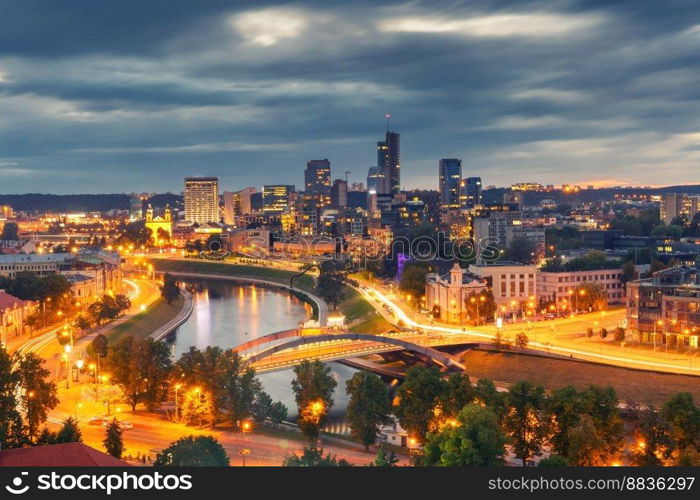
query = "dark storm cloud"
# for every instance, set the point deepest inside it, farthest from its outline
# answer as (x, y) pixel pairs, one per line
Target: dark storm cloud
(143, 93)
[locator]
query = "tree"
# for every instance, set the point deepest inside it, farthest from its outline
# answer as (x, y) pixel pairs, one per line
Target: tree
(38, 394)
(262, 406)
(486, 394)
(384, 458)
(619, 334)
(553, 461)
(684, 417)
(586, 447)
(655, 444)
(10, 231)
(480, 307)
(369, 406)
(459, 393)
(524, 420)
(521, 340)
(564, 406)
(313, 457)
(239, 386)
(313, 388)
(202, 368)
(197, 407)
(476, 441)
(193, 451)
(278, 412)
(11, 428)
(169, 290)
(122, 302)
(413, 279)
(420, 396)
(602, 404)
(141, 369)
(330, 284)
(113, 443)
(69, 432)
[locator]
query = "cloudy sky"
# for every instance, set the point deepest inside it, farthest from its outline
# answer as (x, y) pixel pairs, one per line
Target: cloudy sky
(132, 95)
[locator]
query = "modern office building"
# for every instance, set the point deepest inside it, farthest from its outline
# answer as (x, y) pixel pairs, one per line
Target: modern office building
(389, 162)
(339, 193)
(202, 200)
(277, 197)
(449, 181)
(375, 180)
(471, 195)
(236, 204)
(317, 177)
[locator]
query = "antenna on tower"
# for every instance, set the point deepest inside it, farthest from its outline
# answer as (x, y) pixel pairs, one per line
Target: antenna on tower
(347, 172)
(388, 119)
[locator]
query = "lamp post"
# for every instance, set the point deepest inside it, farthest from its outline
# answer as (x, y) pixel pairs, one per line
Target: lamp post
(177, 409)
(245, 426)
(67, 348)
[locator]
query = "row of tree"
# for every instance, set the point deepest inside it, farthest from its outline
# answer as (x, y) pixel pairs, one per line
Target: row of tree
(26, 398)
(462, 424)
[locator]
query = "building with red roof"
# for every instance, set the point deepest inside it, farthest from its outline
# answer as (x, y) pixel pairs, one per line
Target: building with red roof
(58, 455)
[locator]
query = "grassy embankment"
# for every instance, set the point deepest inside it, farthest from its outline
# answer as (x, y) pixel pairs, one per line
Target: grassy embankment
(145, 323)
(359, 314)
(631, 385)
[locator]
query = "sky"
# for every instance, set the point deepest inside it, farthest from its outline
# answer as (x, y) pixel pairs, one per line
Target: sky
(133, 95)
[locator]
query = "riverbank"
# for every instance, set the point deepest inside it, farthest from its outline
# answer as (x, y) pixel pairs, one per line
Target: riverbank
(149, 321)
(353, 306)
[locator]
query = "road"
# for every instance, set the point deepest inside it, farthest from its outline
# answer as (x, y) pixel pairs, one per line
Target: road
(564, 336)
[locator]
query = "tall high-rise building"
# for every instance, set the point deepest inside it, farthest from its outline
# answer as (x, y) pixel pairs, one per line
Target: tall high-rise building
(471, 194)
(375, 180)
(236, 204)
(339, 193)
(388, 160)
(202, 199)
(317, 177)
(276, 197)
(450, 178)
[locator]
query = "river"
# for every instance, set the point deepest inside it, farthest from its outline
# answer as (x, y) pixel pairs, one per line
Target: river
(227, 314)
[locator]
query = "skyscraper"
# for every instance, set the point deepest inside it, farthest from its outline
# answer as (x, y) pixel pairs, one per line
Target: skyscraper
(339, 193)
(276, 197)
(471, 195)
(450, 178)
(375, 180)
(202, 199)
(317, 177)
(236, 204)
(388, 160)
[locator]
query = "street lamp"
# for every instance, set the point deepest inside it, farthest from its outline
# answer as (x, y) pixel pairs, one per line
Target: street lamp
(67, 348)
(245, 427)
(177, 412)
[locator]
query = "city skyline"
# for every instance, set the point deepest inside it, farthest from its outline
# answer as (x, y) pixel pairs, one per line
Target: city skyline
(236, 92)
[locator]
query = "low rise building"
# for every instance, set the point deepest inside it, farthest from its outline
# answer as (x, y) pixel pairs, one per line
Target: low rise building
(560, 285)
(510, 282)
(665, 308)
(13, 316)
(446, 295)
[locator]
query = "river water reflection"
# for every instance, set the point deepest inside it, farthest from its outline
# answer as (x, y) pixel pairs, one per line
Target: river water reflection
(227, 314)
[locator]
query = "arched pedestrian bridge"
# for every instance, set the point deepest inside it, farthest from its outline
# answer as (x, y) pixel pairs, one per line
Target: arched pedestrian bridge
(290, 349)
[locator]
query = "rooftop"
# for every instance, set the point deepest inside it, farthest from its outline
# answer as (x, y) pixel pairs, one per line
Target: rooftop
(58, 455)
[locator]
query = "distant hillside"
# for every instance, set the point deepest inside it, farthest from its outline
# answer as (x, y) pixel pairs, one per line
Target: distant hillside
(36, 202)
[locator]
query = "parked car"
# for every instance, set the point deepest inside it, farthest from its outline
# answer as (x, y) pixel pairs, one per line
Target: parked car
(123, 424)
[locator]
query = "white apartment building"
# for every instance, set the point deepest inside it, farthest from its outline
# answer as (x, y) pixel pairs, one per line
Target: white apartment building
(202, 199)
